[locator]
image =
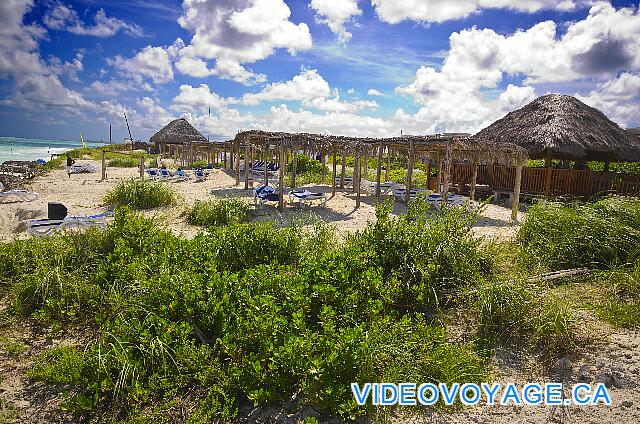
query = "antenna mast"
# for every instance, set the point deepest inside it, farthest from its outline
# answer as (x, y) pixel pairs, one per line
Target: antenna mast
(129, 129)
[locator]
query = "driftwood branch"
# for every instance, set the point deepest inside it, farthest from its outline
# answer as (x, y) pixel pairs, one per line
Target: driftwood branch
(556, 275)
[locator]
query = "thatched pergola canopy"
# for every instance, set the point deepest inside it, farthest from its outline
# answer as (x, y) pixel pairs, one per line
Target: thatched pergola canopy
(178, 131)
(556, 126)
(431, 147)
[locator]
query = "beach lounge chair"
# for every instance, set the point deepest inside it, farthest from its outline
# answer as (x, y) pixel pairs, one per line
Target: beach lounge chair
(153, 174)
(46, 227)
(348, 182)
(18, 196)
(180, 176)
(200, 175)
(306, 197)
(453, 201)
(386, 187)
(401, 193)
(264, 194)
(165, 174)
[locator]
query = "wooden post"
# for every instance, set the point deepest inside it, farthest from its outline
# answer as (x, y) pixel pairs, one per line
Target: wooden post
(343, 169)
(365, 165)
(386, 171)
(474, 179)
(323, 161)
(266, 170)
(294, 167)
(225, 155)
(282, 162)
(142, 167)
(446, 174)
(191, 154)
(516, 194)
(237, 150)
(335, 169)
(356, 177)
(104, 166)
(549, 175)
(379, 170)
(427, 167)
(407, 196)
(233, 152)
(246, 164)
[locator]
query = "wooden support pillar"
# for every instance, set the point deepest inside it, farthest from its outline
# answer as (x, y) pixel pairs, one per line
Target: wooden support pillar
(343, 168)
(225, 155)
(446, 175)
(237, 165)
(266, 170)
(356, 177)
(386, 171)
(142, 167)
(365, 164)
(379, 170)
(233, 158)
(294, 168)
(474, 179)
(516, 194)
(549, 175)
(323, 162)
(246, 164)
(335, 169)
(191, 158)
(407, 196)
(282, 162)
(104, 166)
(427, 170)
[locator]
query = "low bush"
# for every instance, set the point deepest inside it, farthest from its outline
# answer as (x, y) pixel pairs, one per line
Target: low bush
(622, 305)
(602, 234)
(218, 212)
(141, 194)
(124, 162)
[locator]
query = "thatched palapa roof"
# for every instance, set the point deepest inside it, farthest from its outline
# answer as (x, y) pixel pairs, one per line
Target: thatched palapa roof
(564, 128)
(178, 131)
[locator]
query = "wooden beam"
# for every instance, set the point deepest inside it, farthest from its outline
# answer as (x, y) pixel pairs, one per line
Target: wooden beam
(266, 170)
(407, 196)
(225, 155)
(335, 169)
(343, 169)
(323, 162)
(386, 171)
(104, 166)
(283, 163)
(365, 164)
(246, 165)
(379, 170)
(474, 179)
(237, 165)
(446, 176)
(142, 167)
(516, 194)
(294, 169)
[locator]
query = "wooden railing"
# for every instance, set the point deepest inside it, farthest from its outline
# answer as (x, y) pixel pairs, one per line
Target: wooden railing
(550, 181)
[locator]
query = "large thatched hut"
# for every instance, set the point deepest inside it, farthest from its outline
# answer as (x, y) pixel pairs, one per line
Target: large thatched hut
(178, 131)
(556, 126)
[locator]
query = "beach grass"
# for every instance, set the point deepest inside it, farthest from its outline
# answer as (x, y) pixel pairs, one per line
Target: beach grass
(141, 194)
(223, 211)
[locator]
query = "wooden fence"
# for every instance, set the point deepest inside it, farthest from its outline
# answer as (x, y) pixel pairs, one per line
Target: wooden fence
(550, 181)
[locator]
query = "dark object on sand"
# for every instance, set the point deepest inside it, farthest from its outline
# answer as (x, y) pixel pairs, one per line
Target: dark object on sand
(56, 210)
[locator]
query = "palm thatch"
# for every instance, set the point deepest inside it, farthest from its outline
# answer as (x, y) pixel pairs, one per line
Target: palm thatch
(563, 127)
(178, 131)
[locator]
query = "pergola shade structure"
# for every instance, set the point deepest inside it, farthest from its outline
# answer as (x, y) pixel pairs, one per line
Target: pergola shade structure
(443, 150)
(185, 144)
(556, 126)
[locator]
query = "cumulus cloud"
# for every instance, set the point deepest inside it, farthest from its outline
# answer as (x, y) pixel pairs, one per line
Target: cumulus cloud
(335, 14)
(197, 98)
(63, 17)
(394, 11)
(307, 85)
(153, 63)
(233, 33)
(374, 92)
(618, 98)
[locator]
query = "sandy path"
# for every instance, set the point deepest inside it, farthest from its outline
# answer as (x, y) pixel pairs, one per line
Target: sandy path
(83, 194)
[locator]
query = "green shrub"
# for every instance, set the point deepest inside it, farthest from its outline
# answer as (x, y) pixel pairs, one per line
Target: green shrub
(124, 162)
(218, 212)
(601, 234)
(141, 194)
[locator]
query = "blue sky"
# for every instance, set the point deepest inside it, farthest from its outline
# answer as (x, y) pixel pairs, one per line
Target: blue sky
(354, 67)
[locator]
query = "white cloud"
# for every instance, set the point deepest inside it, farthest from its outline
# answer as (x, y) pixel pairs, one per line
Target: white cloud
(619, 98)
(308, 85)
(335, 14)
(64, 18)
(70, 69)
(197, 98)
(394, 11)
(237, 32)
(374, 92)
(154, 63)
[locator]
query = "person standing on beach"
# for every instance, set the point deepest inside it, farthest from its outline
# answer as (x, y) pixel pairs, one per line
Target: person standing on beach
(70, 163)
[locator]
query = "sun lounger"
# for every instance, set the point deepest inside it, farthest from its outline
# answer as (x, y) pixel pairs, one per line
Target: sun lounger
(165, 174)
(18, 196)
(46, 227)
(454, 201)
(306, 197)
(386, 187)
(264, 194)
(84, 168)
(180, 176)
(200, 176)
(401, 193)
(153, 174)
(348, 182)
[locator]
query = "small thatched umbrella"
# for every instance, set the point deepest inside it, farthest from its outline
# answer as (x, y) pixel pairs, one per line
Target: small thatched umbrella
(178, 131)
(556, 126)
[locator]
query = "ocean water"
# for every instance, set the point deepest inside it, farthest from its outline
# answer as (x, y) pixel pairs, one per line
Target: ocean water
(14, 148)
